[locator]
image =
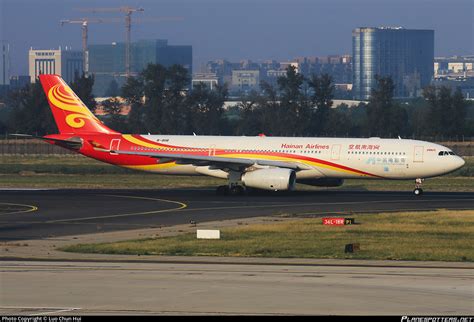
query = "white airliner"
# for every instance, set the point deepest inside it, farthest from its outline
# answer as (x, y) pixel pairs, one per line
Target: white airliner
(269, 163)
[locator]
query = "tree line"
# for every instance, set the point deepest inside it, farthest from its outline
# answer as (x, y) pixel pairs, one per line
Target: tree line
(294, 106)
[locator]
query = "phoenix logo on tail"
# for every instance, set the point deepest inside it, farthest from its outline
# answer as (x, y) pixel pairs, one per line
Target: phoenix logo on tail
(70, 113)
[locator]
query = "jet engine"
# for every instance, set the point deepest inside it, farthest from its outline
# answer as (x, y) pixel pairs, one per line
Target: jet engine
(270, 179)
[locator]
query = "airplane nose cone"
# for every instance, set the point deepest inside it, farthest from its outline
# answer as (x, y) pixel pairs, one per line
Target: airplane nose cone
(459, 162)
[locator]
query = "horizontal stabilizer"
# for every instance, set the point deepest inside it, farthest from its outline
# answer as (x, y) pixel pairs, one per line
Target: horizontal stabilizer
(74, 143)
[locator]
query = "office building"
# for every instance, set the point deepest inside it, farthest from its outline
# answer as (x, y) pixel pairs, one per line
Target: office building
(455, 72)
(245, 80)
(107, 61)
(403, 54)
(451, 67)
(210, 80)
(65, 62)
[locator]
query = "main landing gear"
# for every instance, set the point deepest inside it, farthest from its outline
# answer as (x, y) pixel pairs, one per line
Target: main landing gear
(233, 187)
(418, 191)
(234, 190)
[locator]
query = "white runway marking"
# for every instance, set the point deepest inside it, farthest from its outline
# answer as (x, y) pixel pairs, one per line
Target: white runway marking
(58, 311)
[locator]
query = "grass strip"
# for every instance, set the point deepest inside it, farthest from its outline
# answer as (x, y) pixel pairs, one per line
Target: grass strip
(441, 235)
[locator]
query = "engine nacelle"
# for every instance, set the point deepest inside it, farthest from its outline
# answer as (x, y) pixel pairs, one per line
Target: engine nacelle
(323, 182)
(270, 179)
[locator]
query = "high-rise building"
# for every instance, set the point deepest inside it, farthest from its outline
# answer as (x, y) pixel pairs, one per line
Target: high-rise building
(107, 62)
(4, 63)
(406, 55)
(67, 63)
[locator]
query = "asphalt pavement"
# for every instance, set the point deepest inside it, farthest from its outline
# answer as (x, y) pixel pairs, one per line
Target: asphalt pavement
(36, 214)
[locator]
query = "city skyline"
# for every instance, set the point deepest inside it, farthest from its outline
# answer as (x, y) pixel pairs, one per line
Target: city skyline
(234, 30)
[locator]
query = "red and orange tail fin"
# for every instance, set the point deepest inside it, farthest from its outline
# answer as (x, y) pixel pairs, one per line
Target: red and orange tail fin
(70, 113)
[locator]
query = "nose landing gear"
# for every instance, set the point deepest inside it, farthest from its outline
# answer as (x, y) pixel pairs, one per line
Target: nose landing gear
(418, 183)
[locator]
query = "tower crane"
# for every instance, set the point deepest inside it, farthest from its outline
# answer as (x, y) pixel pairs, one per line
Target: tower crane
(84, 22)
(128, 28)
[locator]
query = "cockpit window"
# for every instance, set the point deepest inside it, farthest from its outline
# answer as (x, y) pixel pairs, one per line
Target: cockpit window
(446, 153)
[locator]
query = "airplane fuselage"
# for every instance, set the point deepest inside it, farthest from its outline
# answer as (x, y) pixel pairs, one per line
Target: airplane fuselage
(269, 163)
(371, 158)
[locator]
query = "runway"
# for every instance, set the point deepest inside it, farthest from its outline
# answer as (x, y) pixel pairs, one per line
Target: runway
(130, 285)
(36, 214)
(32, 288)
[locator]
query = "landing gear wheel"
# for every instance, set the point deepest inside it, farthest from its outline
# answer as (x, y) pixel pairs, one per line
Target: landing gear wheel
(236, 190)
(222, 190)
(418, 191)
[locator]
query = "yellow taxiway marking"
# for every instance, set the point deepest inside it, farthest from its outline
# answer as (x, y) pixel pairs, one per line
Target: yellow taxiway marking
(181, 206)
(31, 208)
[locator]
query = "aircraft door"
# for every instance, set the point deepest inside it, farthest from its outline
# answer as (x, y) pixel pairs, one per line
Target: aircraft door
(418, 154)
(114, 146)
(212, 150)
(335, 152)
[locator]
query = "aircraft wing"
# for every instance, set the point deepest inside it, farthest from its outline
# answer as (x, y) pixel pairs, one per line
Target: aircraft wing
(217, 162)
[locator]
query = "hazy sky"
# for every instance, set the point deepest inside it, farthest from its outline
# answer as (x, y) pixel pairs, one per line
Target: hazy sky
(237, 29)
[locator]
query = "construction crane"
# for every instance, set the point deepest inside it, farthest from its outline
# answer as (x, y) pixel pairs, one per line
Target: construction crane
(84, 22)
(128, 28)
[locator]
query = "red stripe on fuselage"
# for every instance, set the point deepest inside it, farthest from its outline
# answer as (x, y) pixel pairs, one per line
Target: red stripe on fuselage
(200, 152)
